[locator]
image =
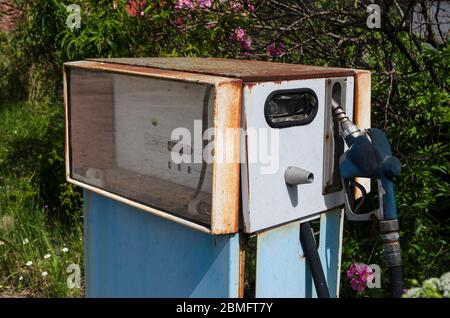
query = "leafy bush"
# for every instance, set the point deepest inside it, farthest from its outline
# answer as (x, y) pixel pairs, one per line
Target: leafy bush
(12, 81)
(410, 96)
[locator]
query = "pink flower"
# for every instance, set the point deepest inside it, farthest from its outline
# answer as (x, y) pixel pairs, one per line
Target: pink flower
(135, 7)
(179, 21)
(359, 274)
(276, 50)
(184, 4)
(251, 7)
(351, 271)
(246, 44)
(239, 34)
(357, 285)
(205, 3)
(236, 6)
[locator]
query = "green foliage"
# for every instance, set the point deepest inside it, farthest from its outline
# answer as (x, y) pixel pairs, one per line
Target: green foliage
(418, 128)
(30, 227)
(12, 82)
(39, 213)
(27, 235)
(32, 145)
(250, 267)
(430, 288)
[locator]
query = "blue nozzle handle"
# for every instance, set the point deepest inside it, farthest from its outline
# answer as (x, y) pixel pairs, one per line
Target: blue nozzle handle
(370, 156)
(388, 200)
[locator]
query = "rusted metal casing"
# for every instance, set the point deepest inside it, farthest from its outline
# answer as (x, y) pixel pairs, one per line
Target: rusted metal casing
(120, 115)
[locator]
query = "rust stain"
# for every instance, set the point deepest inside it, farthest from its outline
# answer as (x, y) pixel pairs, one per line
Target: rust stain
(146, 71)
(242, 249)
(247, 70)
(278, 82)
(361, 112)
(250, 85)
(226, 176)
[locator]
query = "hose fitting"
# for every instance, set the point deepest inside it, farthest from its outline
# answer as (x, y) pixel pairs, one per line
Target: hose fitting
(391, 245)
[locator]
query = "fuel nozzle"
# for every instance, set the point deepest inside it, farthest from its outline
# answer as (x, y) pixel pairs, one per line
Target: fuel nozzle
(369, 155)
(347, 129)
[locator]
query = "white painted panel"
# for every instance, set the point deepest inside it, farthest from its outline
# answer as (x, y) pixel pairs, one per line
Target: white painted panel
(267, 200)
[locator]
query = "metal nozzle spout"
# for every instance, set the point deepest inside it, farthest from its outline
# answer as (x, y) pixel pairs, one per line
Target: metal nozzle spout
(336, 96)
(346, 125)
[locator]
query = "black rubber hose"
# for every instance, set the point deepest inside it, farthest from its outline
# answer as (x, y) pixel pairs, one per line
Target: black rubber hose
(312, 257)
(396, 281)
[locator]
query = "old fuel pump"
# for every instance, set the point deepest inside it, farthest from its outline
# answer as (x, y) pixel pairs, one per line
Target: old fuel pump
(183, 159)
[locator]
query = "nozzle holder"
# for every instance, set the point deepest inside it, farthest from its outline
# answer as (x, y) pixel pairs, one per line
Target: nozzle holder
(295, 176)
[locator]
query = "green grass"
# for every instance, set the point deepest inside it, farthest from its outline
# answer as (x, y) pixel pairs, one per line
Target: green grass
(40, 220)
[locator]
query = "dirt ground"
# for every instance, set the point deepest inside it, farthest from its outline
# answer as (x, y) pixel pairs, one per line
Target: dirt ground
(11, 293)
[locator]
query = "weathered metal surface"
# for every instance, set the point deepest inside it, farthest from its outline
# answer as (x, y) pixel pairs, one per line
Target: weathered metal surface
(362, 115)
(134, 254)
(100, 147)
(225, 191)
(282, 270)
(248, 71)
(148, 72)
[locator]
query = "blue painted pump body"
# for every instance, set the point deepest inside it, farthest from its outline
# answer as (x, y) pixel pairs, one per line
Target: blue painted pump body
(370, 156)
(130, 253)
